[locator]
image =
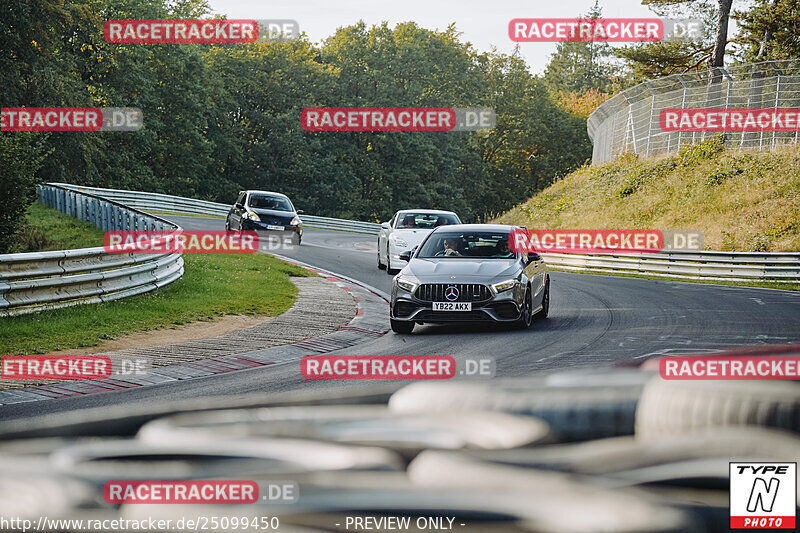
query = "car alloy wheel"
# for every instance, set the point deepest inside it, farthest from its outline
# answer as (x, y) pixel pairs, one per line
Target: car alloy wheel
(525, 320)
(545, 301)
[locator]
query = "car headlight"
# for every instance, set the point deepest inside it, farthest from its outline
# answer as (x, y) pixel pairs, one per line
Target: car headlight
(295, 221)
(251, 216)
(406, 285)
(505, 285)
(400, 242)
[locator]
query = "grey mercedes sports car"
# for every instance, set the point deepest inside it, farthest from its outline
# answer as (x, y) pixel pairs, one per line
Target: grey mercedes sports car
(466, 273)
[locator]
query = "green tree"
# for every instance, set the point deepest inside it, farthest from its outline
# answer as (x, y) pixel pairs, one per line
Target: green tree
(769, 30)
(21, 155)
(219, 118)
(533, 144)
(653, 60)
(580, 66)
(34, 71)
(405, 66)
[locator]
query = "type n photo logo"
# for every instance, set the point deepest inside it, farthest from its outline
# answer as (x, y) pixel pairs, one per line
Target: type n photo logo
(763, 495)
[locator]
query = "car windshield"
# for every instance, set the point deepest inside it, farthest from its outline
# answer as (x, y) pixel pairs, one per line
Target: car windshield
(483, 244)
(425, 220)
(266, 201)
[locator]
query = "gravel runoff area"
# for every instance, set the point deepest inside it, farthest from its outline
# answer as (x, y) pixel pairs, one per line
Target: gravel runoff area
(322, 307)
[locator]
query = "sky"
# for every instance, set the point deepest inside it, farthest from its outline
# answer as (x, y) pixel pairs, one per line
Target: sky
(484, 23)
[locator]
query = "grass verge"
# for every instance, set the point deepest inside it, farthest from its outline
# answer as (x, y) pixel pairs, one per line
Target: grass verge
(213, 285)
(741, 201)
(47, 229)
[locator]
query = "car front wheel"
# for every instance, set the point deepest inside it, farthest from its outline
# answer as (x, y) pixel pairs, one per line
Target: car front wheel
(381, 266)
(389, 270)
(401, 326)
(524, 320)
(545, 301)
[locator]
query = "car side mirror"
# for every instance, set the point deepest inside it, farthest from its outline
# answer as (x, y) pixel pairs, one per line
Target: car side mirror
(533, 256)
(237, 205)
(300, 212)
(406, 256)
(385, 225)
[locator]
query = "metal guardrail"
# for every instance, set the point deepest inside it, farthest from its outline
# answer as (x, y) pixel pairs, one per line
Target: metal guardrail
(38, 281)
(166, 203)
(341, 224)
(708, 265)
(629, 121)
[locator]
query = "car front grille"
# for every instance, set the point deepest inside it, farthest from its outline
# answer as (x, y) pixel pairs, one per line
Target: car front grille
(274, 221)
(452, 316)
(467, 292)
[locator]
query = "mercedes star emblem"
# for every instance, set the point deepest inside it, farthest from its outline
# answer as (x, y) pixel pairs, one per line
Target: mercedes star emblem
(451, 293)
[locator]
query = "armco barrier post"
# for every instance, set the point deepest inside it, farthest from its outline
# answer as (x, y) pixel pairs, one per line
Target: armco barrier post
(80, 207)
(4, 286)
(106, 217)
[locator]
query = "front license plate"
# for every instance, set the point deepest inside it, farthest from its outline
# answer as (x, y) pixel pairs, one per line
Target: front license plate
(452, 306)
(276, 228)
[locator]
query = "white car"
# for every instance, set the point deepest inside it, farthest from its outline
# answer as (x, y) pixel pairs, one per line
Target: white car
(405, 230)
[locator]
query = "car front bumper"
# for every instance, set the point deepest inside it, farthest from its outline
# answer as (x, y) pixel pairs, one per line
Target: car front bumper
(250, 225)
(501, 308)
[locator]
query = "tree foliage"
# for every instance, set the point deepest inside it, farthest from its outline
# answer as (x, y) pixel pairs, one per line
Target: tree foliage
(769, 30)
(654, 60)
(578, 67)
(220, 118)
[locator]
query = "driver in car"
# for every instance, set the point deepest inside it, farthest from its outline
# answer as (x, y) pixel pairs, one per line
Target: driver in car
(409, 221)
(451, 247)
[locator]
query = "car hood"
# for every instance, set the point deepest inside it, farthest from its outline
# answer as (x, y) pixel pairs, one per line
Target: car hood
(436, 270)
(412, 236)
(283, 216)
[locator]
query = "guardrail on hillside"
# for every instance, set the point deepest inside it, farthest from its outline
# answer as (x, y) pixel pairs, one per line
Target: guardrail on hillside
(167, 203)
(48, 280)
(708, 265)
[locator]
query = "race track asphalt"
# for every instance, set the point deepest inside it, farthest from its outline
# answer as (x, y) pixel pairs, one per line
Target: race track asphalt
(594, 320)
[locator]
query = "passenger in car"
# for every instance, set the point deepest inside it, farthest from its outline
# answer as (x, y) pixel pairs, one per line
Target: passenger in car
(501, 249)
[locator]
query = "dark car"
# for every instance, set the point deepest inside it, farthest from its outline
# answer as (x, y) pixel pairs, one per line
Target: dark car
(466, 273)
(266, 211)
